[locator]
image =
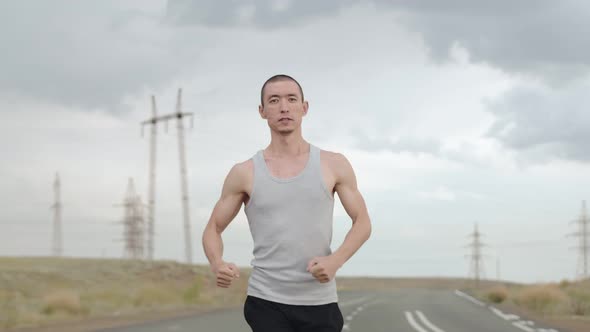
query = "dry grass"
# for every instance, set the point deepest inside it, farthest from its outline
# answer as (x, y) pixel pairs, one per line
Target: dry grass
(497, 294)
(40, 291)
(65, 301)
(543, 299)
(579, 301)
(563, 299)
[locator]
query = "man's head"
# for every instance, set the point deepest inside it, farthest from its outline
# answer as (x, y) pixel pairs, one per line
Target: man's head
(282, 103)
(279, 78)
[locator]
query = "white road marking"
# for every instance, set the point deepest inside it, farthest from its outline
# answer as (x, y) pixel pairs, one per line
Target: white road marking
(469, 298)
(523, 326)
(528, 325)
(352, 302)
(350, 317)
(503, 315)
(427, 322)
(413, 323)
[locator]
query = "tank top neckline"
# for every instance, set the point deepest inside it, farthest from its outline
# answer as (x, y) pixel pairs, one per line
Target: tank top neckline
(290, 179)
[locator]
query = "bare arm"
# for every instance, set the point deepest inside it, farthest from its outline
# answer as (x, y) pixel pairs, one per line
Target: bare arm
(324, 268)
(354, 204)
(225, 210)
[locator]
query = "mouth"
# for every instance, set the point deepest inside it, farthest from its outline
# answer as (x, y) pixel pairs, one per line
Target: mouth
(285, 119)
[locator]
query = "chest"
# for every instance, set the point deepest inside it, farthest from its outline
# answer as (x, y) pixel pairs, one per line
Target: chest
(284, 168)
(289, 168)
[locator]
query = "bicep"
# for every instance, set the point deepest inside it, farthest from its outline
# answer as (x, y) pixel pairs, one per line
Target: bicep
(230, 202)
(347, 189)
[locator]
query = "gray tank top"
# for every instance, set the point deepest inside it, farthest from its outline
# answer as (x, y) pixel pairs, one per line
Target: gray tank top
(291, 222)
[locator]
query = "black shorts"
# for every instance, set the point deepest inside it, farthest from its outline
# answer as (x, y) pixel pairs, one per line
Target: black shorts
(268, 316)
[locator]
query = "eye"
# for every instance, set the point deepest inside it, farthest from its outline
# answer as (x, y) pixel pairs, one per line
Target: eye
(292, 99)
(273, 101)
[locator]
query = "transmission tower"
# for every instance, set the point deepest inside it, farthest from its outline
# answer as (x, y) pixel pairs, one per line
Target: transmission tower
(583, 224)
(133, 224)
(57, 247)
(476, 267)
(152, 179)
(179, 116)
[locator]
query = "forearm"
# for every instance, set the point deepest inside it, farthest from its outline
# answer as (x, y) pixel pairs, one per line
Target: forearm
(212, 245)
(357, 235)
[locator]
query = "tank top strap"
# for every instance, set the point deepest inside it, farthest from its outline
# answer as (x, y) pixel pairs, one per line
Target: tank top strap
(314, 155)
(258, 160)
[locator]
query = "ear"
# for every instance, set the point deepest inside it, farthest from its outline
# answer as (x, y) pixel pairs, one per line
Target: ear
(261, 111)
(305, 107)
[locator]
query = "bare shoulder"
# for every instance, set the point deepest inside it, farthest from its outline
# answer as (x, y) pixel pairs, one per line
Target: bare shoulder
(336, 161)
(244, 168)
(340, 170)
(338, 167)
(240, 176)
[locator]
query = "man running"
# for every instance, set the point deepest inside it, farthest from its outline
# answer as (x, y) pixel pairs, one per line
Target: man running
(288, 194)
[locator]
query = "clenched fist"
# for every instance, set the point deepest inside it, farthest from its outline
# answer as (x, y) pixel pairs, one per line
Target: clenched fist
(323, 268)
(225, 273)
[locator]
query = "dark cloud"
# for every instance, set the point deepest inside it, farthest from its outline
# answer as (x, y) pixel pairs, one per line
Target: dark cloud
(544, 38)
(85, 54)
(263, 13)
(544, 124)
(540, 37)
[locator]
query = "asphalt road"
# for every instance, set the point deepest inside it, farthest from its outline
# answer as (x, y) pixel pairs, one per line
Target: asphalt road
(404, 310)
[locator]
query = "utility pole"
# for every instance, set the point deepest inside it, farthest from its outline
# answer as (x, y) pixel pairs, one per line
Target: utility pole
(152, 179)
(476, 258)
(183, 177)
(583, 243)
(57, 247)
(498, 269)
(179, 116)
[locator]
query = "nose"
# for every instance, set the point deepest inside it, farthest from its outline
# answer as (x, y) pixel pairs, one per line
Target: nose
(284, 106)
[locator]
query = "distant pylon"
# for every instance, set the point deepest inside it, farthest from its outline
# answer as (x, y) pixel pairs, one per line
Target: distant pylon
(497, 268)
(476, 267)
(57, 247)
(152, 180)
(133, 224)
(583, 244)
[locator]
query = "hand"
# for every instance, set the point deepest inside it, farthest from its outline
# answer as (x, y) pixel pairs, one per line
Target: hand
(323, 268)
(225, 273)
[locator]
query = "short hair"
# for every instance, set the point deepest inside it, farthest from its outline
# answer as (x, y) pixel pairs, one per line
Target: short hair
(278, 78)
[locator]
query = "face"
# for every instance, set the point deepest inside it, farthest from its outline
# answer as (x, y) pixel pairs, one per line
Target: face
(283, 106)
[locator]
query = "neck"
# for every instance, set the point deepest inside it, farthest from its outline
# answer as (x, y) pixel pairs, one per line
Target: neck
(291, 144)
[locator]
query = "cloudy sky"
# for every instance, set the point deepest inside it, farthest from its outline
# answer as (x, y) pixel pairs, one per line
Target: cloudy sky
(451, 114)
